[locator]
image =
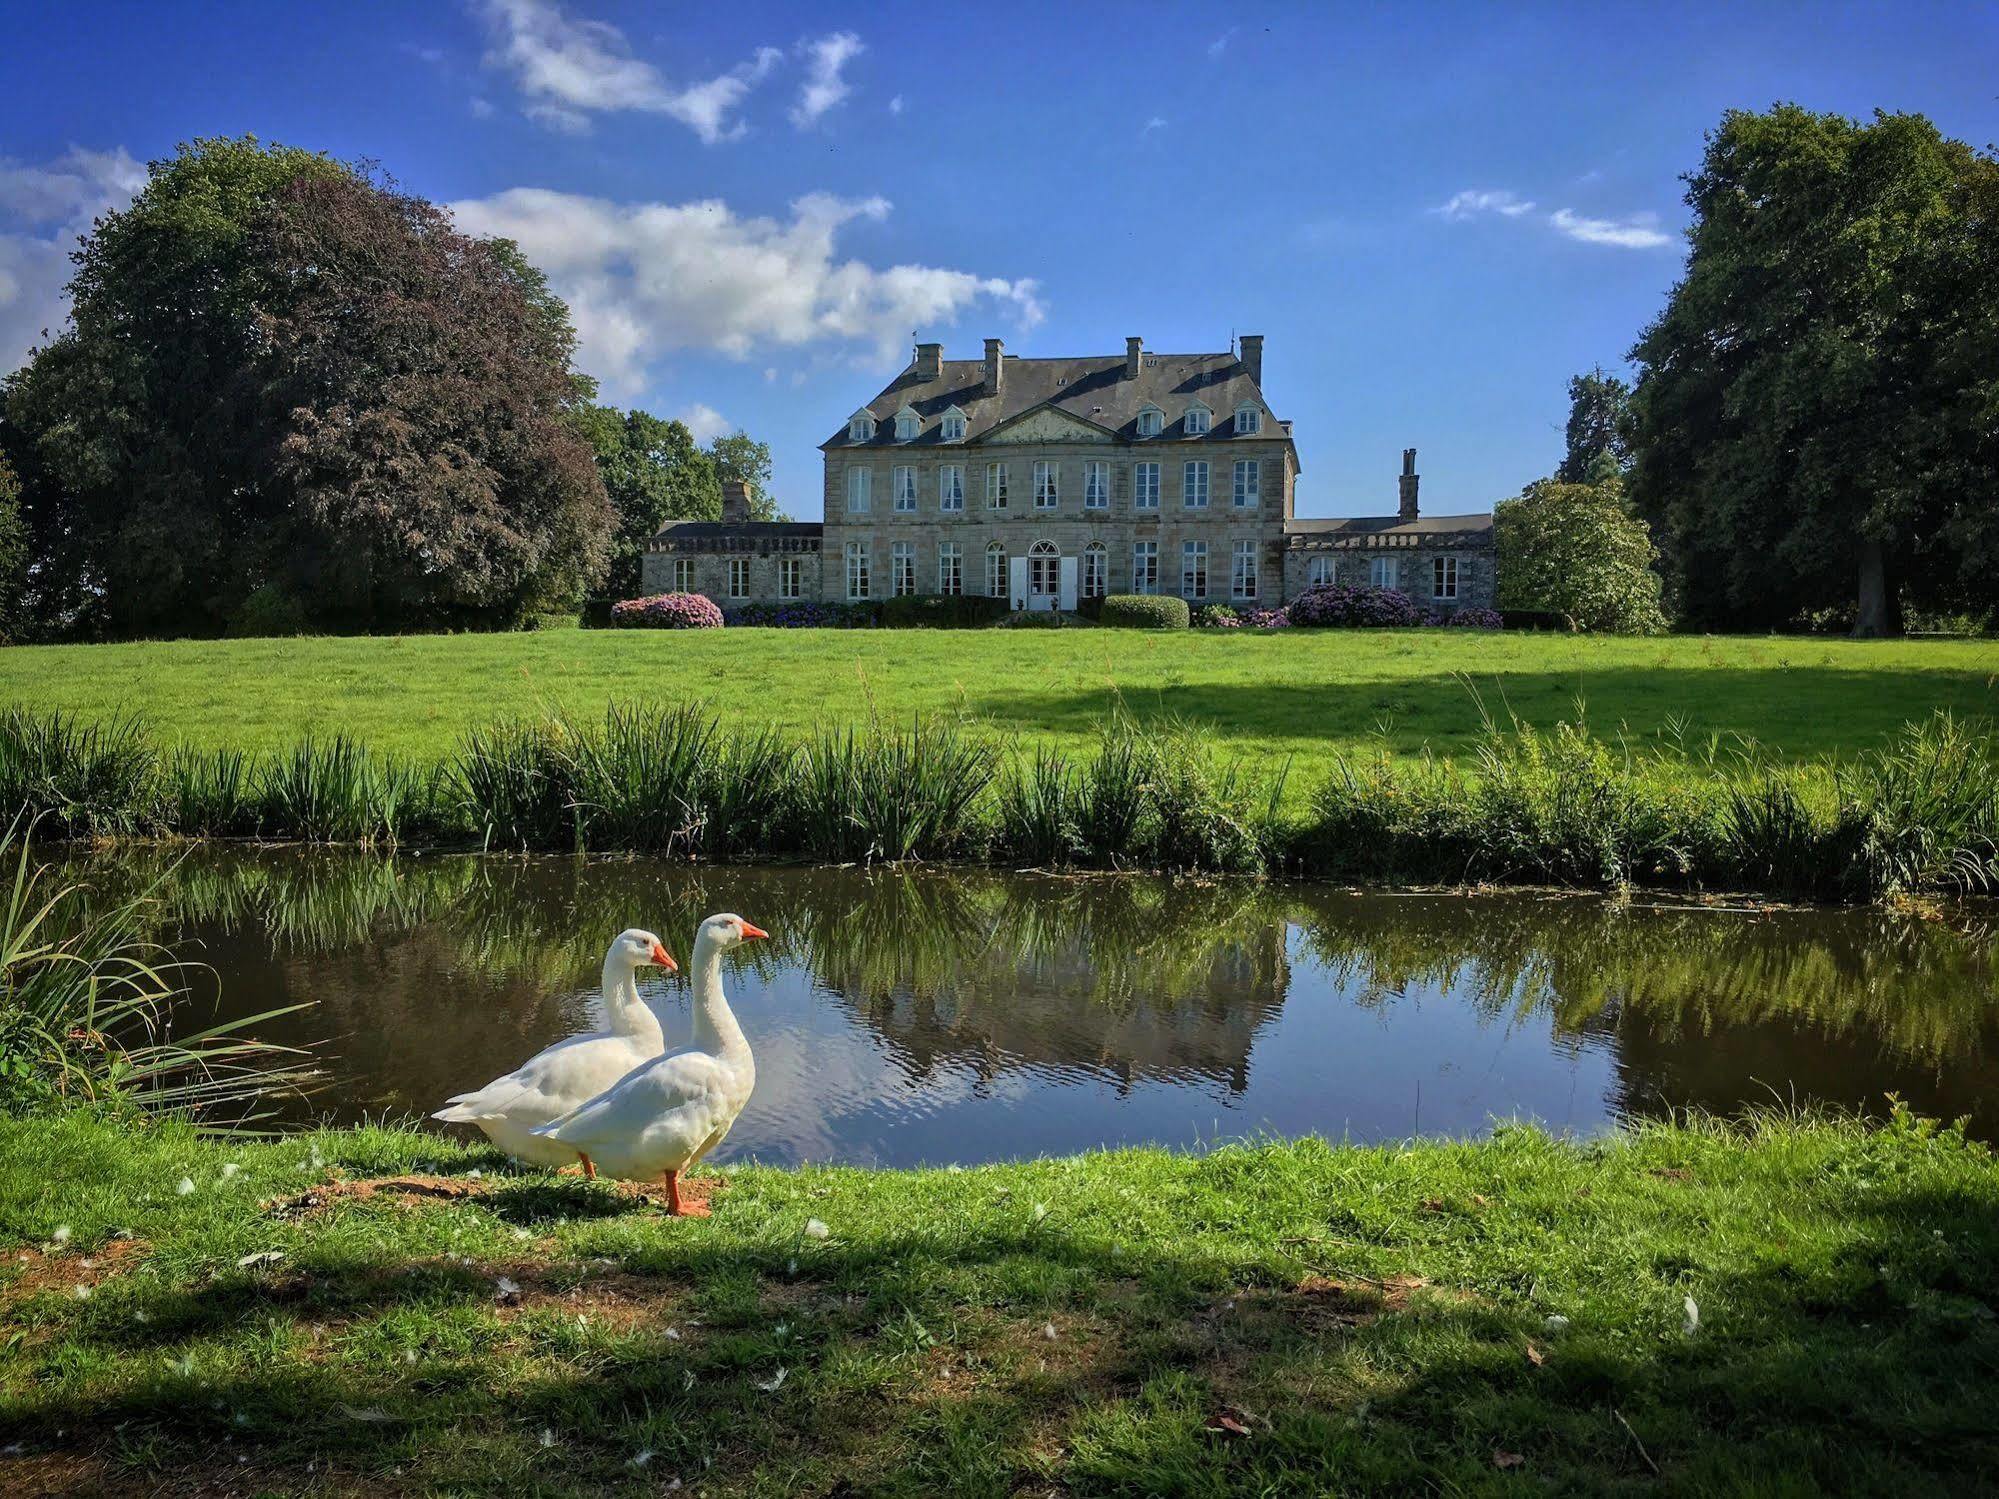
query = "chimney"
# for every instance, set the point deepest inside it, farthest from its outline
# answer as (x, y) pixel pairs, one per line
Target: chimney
(1134, 357)
(1252, 356)
(1408, 484)
(995, 366)
(929, 361)
(735, 501)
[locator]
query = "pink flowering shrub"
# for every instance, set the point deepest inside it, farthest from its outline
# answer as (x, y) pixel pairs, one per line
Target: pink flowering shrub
(1266, 619)
(1356, 606)
(668, 611)
(1472, 619)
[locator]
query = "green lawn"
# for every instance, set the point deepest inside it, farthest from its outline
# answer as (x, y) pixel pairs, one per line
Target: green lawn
(1507, 1316)
(1283, 693)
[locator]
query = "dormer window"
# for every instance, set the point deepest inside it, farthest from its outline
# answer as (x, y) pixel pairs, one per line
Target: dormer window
(860, 427)
(1198, 420)
(1248, 420)
(1151, 421)
(952, 428)
(907, 424)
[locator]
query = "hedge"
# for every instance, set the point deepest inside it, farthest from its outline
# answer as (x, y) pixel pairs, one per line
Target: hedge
(1145, 611)
(941, 611)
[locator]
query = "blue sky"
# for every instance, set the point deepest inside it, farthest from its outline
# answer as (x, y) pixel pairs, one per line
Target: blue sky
(1435, 214)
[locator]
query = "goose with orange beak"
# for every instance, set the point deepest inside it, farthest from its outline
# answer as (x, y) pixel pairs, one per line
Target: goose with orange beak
(510, 1108)
(666, 1114)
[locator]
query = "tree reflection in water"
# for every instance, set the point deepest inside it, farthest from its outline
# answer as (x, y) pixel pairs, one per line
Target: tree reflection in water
(965, 1015)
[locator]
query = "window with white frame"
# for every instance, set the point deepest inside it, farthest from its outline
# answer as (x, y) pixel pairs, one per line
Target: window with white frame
(1318, 572)
(905, 487)
(902, 568)
(1248, 483)
(1443, 577)
(951, 487)
(907, 424)
(1096, 571)
(1248, 420)
(950, 568)
(1194, 486)
(1145, 486)
(789, 578)
(1151, 421)
(1198, 420)
(1382, 572)
(952, 428)
(1193, 569)
(1044, 570)
(1145, 567)
(739, 577)
(995, 571)
(1242, 570)
(1047, 484)
(683, 574)
(860, 488)
(1096, 485)
(857, 570)
(995, 486)
(860, 427)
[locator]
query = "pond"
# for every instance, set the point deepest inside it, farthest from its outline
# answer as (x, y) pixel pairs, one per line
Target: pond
(938, 1016)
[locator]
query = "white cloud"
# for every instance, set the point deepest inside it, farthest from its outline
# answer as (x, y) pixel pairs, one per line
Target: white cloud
(482, 109)
(824, 87)
(44, 211)
(569, 69)
(895, 105)
(705, 423)
(1638, 231)
(1474, 201)
(645, 279)
(1221, 43)
(1157, 122)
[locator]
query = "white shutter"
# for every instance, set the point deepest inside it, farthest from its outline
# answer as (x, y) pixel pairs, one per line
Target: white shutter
(1017, 570)
(1066, 587)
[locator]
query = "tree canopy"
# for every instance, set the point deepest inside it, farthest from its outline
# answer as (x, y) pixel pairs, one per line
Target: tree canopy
(284, 374)
(1598, 431)
(653, 471)
(1814, 418)
(1574, 549)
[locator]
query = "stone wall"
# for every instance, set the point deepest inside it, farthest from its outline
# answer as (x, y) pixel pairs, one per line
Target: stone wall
(710, 573)
(1352, 566)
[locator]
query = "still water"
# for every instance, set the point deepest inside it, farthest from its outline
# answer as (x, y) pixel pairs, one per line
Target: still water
(900, 1018)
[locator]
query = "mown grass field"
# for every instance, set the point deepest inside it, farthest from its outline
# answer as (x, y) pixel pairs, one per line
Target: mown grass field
(1787, 1308)
(1286, 693)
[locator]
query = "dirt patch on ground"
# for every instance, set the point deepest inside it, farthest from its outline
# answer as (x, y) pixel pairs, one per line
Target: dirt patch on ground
(39, 1270)
(84, 1475)
(696, 1193)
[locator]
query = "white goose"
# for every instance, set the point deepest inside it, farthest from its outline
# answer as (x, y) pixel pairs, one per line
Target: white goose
(573, 1071)
(669, 1112)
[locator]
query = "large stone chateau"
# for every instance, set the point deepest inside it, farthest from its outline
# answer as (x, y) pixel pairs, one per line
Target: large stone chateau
(1046, 481)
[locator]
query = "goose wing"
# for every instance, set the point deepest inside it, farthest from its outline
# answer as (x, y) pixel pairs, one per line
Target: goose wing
(543, 1084)
(666, 1098)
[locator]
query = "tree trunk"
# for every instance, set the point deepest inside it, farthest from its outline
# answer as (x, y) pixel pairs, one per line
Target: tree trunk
(1880, 611)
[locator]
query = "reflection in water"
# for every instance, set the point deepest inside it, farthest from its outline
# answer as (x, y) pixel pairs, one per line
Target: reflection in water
(972, 1016)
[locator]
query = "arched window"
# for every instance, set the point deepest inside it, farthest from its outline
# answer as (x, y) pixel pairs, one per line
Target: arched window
(1248, 420)
(1096, 571)
(996, 570)
(1198, 420)
(1151, 421)
(1044, 569)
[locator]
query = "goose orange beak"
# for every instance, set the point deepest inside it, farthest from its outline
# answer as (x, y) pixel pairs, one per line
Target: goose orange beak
(753, 931)
(664, 959)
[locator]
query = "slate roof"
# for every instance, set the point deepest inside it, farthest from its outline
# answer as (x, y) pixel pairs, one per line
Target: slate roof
(1344, 531)
(1093, 388)
(697, 534)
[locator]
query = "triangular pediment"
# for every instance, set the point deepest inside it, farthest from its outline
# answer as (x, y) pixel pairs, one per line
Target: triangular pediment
(1048, 423)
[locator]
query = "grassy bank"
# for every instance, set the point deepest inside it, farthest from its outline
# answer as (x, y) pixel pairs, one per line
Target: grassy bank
(1506, 1316)
(1295, 693)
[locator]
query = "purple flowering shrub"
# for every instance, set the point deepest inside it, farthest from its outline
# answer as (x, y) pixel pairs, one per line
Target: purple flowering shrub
(1266, 619)
(1355, 606)
(806, 614)
(1472, 619)
(668, 611)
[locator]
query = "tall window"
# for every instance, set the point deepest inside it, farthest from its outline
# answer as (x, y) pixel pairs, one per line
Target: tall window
(995, 486)
(1145, 567)
(1443, 577)
(739, 577)
(1242, 571)
(995, 571)
(1096, 571)
(860, 488)
(1248, 421)
(1193, 570)
(857, 570)
(1151, 421)
(1198, 418)
(905, 488)
(683, 574)
(950, 568)
(951, 487)
(1194, 486)
(1145, 486)
(1248, 483)
(902, 568)
(1382, 572)
(789, 572)
(1047, 484)
(1318, 572)
(1044, 570)
(1096, 485)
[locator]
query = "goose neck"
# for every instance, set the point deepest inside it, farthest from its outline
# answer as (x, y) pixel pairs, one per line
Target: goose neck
(629, 1014)
(715, 1027)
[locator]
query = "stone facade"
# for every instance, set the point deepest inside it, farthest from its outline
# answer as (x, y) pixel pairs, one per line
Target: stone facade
(1112, 483)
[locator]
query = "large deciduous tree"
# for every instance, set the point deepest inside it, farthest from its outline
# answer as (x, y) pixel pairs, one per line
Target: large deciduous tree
(1574, 549)
(1816, 417)
(654, 472)
(284, 375)
(741, 457)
